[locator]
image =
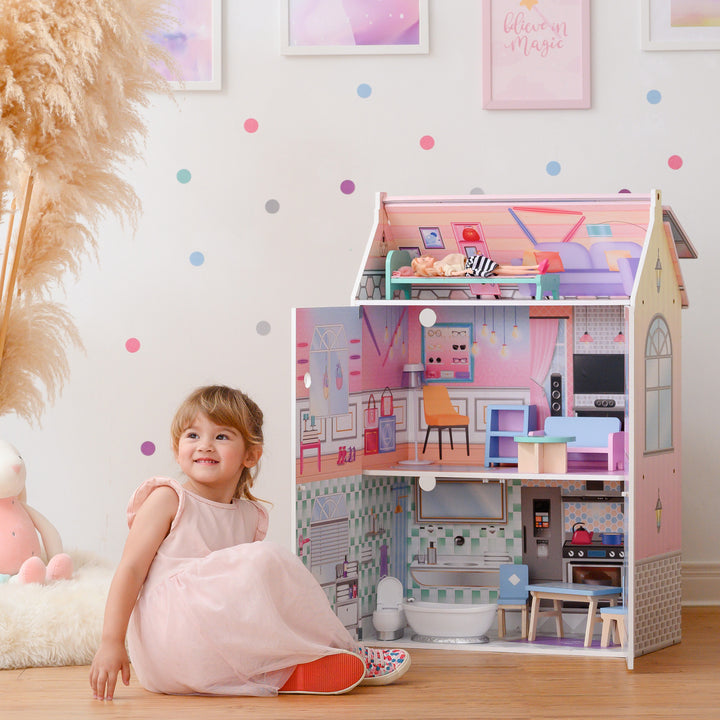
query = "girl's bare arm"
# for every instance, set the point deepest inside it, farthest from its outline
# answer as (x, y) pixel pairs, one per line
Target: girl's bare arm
(150, 527)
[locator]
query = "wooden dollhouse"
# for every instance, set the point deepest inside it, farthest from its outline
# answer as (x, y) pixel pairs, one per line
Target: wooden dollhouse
(570, 386)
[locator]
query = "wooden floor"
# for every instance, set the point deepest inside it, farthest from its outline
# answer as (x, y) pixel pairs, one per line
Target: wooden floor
(679, 682)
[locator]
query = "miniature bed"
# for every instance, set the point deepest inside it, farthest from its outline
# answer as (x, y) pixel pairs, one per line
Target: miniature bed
(545, 285)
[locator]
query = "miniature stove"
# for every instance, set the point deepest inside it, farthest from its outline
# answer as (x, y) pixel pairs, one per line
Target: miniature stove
(596, 550)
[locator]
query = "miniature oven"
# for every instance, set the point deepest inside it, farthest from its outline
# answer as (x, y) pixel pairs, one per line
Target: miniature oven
(594, 564)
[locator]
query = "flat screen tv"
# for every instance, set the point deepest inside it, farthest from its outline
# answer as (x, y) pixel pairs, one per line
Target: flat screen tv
(599, 374)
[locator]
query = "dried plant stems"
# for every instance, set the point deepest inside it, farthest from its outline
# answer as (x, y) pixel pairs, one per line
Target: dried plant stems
(6, 254)
(10, 289)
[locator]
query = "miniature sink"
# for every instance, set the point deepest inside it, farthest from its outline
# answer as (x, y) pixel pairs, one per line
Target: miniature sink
(460, 571)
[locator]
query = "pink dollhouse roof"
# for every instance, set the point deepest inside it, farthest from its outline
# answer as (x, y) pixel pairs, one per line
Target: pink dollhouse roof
(596, 241)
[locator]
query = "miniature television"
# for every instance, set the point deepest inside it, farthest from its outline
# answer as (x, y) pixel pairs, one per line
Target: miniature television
(599, 374)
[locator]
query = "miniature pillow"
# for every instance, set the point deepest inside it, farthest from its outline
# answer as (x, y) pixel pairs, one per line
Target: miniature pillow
(612, 257)
(556, 263)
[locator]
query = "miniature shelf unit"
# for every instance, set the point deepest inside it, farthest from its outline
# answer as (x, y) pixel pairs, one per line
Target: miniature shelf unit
(504, 424)
(511, 353)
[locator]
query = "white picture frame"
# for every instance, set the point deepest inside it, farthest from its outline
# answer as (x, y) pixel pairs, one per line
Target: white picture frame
(314, 45)
(658, 33)
(195, 43)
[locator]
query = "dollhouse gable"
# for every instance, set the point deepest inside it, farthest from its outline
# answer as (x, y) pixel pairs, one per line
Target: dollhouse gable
(594, 243)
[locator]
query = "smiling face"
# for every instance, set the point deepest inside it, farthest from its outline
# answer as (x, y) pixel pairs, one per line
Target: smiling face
(212, 457)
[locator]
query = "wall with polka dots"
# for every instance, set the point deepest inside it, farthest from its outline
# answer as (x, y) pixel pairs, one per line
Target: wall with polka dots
(259, 197)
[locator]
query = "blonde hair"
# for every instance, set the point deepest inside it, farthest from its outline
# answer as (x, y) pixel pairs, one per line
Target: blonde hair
(231, 408)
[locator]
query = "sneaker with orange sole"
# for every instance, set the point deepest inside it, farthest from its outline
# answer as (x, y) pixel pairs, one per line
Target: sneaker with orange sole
(329, 675)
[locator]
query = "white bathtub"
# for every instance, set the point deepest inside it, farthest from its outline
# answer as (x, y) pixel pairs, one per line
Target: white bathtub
(449, 623)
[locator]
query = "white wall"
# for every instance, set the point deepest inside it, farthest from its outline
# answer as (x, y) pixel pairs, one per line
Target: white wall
(198, 324)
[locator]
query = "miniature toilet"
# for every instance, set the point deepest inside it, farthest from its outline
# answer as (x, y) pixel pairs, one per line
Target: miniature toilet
(389, 618)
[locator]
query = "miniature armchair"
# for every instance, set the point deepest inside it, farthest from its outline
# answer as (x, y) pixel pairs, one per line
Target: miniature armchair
(440, 414)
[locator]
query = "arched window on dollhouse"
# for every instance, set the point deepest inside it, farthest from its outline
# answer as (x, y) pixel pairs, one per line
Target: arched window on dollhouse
(658, 387)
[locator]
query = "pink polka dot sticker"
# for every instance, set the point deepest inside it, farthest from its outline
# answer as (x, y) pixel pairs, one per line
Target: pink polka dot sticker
(347, 187)
(427, 142)
(132, 345)
(251, 125)
(675, 162)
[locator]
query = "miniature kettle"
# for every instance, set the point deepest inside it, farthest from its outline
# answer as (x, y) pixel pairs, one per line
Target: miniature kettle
(580, 536)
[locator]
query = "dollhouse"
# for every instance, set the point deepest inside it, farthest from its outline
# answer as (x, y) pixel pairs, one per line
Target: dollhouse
(558, 447)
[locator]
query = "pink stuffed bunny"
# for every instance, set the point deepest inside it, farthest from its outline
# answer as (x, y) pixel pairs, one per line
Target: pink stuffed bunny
(20, 524)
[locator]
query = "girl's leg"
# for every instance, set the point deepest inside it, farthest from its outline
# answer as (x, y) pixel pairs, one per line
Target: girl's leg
(510, 270)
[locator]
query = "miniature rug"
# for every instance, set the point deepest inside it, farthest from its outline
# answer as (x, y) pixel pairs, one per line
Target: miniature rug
(55, 624)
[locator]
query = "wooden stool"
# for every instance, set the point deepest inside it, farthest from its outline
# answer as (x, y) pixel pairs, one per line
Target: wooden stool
(613, 620)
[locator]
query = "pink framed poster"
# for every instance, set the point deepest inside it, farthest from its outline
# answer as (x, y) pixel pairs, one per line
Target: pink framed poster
(357, 27)
(536, 54)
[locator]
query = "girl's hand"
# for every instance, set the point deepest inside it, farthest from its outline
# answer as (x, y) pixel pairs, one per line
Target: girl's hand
(110, 659)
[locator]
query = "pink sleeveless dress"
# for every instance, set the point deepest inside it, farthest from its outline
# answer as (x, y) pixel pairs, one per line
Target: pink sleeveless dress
(221, 613)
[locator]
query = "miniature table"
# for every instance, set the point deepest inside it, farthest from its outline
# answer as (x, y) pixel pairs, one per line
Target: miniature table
(577, 592)
(543, 453)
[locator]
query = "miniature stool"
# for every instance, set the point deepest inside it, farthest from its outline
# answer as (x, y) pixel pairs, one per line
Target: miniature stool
(613, 620)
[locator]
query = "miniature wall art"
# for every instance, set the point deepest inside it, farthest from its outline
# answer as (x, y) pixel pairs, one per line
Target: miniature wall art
(680, 25)
(194, 44)
(536, 54)
(341, 27)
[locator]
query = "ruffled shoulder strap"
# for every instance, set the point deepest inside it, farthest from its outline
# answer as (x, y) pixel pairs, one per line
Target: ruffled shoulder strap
(263, 521)
(143, 492)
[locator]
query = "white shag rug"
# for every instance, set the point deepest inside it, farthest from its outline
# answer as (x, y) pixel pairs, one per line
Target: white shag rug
(55, 624)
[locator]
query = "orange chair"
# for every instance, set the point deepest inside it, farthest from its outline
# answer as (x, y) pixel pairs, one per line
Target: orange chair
(440, 414)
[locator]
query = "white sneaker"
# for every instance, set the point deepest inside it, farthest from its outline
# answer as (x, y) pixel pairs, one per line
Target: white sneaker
(383, 666)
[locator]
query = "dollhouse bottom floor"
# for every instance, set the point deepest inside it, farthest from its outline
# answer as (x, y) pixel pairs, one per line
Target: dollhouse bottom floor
(571, 644)
(545, 643)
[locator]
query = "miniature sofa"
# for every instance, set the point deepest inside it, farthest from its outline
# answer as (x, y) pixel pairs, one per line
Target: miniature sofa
(593, 436)
(544, 285)
(606, 269)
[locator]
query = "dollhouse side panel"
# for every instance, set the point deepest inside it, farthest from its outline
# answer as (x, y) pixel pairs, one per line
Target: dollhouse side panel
(656, 446)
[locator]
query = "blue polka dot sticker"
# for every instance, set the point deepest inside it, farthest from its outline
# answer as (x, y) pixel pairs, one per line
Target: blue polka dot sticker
(553, 168)
(654, 97)
(183, 176)
(272, 206)
(197, 258)
(263, 328)
(364, 90)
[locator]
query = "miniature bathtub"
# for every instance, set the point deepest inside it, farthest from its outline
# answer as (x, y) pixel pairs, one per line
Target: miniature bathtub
(449, 623)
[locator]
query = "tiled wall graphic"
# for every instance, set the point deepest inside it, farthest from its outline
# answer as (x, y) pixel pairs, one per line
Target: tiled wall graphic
(657, 603)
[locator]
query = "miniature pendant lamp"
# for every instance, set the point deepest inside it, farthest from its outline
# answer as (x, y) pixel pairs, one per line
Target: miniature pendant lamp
(412, 379)
(586, 336)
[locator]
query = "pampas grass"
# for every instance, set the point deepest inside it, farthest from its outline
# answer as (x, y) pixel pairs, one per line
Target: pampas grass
(74, 78)
(55, 624)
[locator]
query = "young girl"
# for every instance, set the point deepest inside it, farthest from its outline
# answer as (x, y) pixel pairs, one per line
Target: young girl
(207, 609)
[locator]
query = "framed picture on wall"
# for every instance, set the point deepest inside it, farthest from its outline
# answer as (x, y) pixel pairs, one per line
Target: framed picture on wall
(195, 44)
(354, 27)
(680, 25)
(431, 237)
(536, 54)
